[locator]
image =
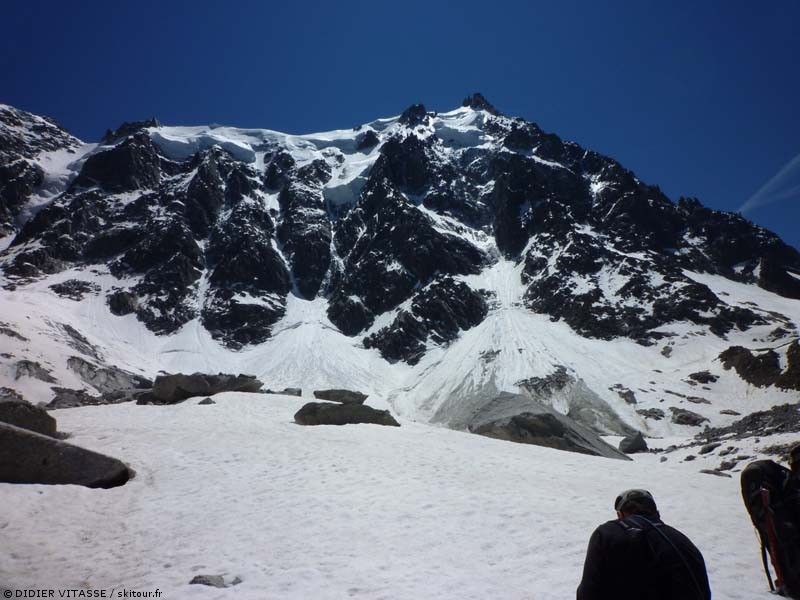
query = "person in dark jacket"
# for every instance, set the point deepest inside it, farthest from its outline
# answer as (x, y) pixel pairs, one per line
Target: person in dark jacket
(638, 557)
(792, 484)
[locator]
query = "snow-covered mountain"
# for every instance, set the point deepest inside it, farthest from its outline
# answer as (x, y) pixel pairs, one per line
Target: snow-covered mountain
(461, 267)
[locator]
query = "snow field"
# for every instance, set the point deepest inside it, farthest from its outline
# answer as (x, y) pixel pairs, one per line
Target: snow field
(364, 511)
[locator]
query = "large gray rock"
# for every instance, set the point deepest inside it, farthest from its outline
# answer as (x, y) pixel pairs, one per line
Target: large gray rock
(341, 396)
(633, 443)
(539, 425)
(584, 405)
(681, 416)
(26, 415)
(327, 413)
(171, 389)
(29, 457)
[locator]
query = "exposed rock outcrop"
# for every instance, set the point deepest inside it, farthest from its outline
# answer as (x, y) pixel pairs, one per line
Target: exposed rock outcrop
(171, 389)
(681, 416)
(107, 379)
(31, 368)
(327, 413)
(341, 396)
(516, 418)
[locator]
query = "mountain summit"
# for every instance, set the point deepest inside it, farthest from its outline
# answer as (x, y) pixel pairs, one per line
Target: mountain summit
(441, 260)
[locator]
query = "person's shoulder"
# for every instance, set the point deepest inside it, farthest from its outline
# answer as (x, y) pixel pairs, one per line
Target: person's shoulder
(609, 528)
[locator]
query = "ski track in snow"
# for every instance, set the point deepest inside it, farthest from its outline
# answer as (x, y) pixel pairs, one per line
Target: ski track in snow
(363, 511)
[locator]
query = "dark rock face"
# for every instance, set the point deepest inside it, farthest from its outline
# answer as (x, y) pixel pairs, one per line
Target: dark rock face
(779, 419)
(478, 102)
(171, 389)
(414, 115)
(24, 136)
(25, 415)
(633, 443)
(75, 289)
(326, 413)
(122, 303)
(761, 370)
(18, 180)
(29, 457)
(626, 394)
(216, 237)
(438, 312)
(341, 396)
(129, 128)
(131, 165)
(367, 140)
(790, 378)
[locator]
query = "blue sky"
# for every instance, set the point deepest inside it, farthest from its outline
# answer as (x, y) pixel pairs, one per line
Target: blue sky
(700, 98)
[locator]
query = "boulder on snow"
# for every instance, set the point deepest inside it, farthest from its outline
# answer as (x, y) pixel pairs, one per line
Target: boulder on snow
(26, 415)
(205, 402)
(703, 377)
(217, 581)
(633, 443)
(651, 413)
(29, 457)
(327, 413)
(681, 416)
(709, 448)
(286, 391)
(171, 389)
(341, 396)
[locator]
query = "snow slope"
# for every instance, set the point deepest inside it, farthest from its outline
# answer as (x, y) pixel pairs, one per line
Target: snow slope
(361, 511)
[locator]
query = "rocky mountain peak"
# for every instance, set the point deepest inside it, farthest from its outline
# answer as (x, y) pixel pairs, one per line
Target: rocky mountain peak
(414, 115)
(479, 102)
(400, 240)
(128, 128)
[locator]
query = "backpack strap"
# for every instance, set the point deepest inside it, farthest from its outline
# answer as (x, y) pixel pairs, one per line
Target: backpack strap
(642, 520)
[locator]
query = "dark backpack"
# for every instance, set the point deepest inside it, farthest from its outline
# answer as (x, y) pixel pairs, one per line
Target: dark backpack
(668, 568)
(773, 507)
